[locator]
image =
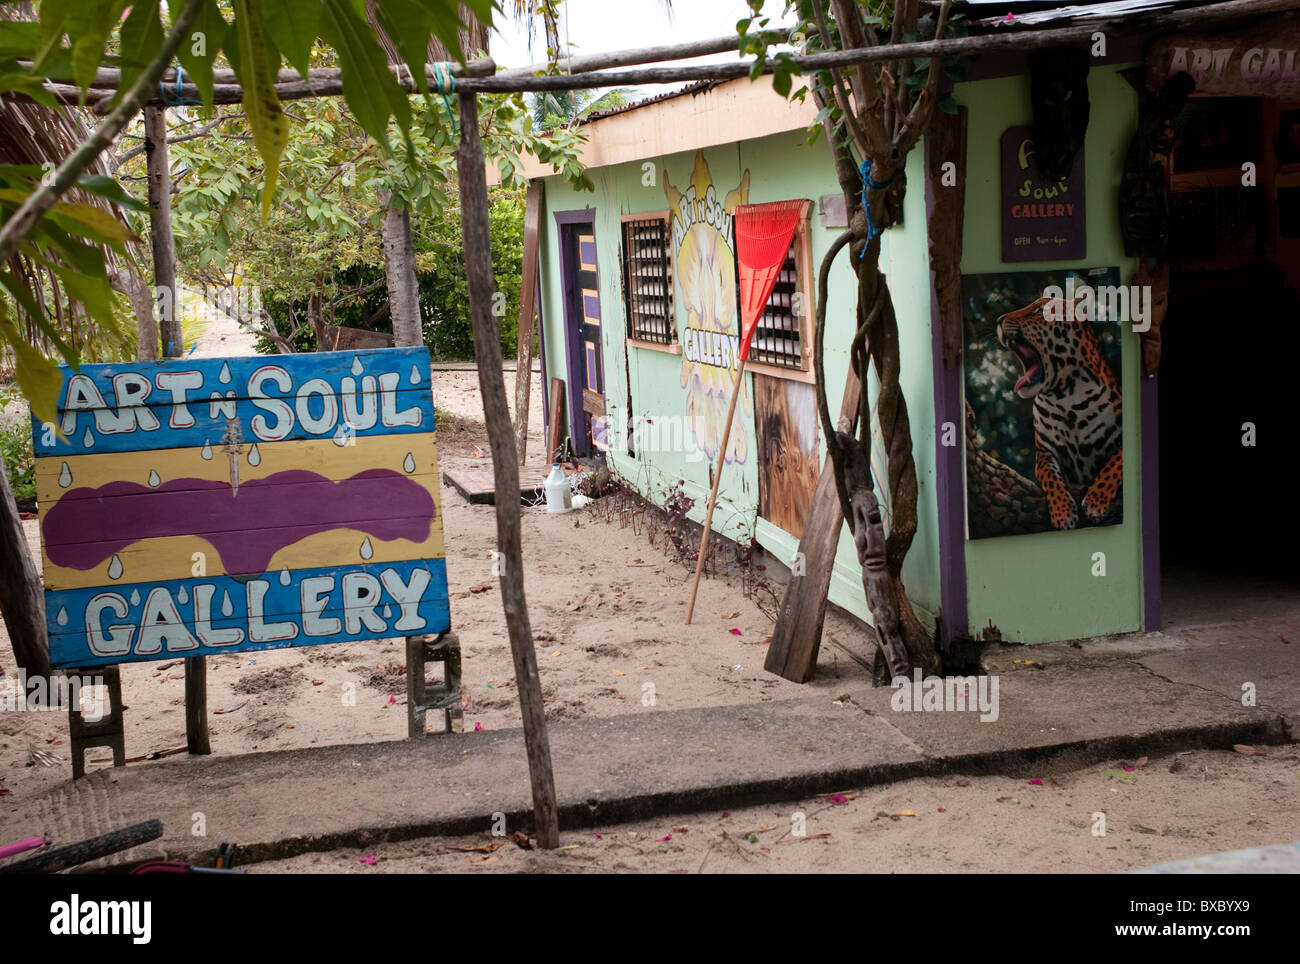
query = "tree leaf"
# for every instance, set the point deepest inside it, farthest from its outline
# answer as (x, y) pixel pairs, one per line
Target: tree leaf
(292, 26)
(371, 91)
(256, 69)
(38, 378)
(205, 41)
(141, 36)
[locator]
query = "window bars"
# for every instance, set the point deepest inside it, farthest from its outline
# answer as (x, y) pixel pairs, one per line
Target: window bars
(647, 281)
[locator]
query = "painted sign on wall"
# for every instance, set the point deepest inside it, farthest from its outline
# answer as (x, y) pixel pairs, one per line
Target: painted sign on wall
(216, 505)
(1041, 220)
(704, 249)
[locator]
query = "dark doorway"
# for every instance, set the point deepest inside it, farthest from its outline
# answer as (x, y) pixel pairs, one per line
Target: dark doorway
(582, 328)
(1228, 370)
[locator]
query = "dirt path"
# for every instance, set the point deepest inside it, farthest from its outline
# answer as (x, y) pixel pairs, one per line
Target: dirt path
(1041, 823)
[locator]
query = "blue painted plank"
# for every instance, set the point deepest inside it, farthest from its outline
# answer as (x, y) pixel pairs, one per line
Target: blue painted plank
(186, 402)
(304, 607)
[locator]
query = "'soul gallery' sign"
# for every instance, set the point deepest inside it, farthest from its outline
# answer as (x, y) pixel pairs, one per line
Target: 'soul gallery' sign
(218, 505)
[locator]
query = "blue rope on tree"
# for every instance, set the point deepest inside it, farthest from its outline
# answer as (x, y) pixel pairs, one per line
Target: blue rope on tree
(446, 84)
(176, 98)
(870, 182)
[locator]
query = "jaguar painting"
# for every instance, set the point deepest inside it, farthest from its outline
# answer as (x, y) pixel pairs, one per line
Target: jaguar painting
(1078, 439)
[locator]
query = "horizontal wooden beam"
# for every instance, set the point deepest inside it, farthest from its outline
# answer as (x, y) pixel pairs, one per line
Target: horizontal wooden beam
(328, 83)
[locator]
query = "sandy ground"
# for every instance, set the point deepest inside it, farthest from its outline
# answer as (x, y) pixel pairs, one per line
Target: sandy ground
(1039, 823)
(607, 611)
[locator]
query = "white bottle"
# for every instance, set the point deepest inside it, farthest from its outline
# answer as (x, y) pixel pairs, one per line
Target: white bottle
(559, 497)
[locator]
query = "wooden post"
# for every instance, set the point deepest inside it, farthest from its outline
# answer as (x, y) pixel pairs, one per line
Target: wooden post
(797, 635)
(487, 352)
(713, 495)
(160, 231)
(167, 298)
(22, 601)
(527, 310)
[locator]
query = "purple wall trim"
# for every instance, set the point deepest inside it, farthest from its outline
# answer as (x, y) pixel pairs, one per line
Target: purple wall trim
(567, 224)
(950, 492)
(1150, 396)
(541, 352)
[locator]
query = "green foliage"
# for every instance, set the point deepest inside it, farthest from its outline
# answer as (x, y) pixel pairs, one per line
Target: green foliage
(74, 37)
(356, 294)
(16, 449)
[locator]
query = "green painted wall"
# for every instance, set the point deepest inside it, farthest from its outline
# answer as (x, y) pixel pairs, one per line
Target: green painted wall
(1039, 587)
(780, 167)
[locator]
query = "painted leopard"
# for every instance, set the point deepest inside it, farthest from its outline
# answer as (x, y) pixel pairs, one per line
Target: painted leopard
(1079, 453)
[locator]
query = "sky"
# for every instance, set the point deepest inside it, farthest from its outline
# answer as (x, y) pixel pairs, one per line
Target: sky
(593, 26)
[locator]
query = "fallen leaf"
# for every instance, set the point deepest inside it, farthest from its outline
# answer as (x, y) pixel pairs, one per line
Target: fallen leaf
(289, 726)
(318, 682)
(1247, 750)
(905, 813)
(1008, 799)
(557, 653)
(733, 615)
(1112, 774)
(231, 709)
(618, 672)
(961, 782)
(481, 587)
(485, 849)
(1141, 829)
(1140, 763)
(521, 840)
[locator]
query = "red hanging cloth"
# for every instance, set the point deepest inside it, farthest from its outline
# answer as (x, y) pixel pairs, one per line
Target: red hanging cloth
(763, 234)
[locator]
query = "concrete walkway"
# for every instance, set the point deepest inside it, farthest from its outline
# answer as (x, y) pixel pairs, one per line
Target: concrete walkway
(1090, 702)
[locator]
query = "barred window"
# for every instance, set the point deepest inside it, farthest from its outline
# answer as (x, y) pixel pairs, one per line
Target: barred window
(648, 279)
(780, 338)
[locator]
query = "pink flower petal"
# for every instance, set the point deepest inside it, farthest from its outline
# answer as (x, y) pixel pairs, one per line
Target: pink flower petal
(368, 859)
(736, 632)
(664, 838)
(477, 727)
(839, 798)
(1129, 768)
(595, 836)
(1036, 782)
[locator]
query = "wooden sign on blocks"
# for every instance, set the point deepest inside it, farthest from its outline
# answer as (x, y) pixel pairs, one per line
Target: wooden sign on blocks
(209, 506)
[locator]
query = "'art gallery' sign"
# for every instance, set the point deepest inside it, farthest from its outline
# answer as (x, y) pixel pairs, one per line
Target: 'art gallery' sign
(1262, 61)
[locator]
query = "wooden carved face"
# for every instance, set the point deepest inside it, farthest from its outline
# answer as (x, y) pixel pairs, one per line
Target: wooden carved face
(1059, 95)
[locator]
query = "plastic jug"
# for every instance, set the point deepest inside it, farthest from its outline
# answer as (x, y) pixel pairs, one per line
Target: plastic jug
(559, 497)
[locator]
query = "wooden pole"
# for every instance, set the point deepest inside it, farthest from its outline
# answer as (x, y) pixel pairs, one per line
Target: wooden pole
(527, 310)
(167, 298)
(470, 173)
(713, 495)
(160, 231)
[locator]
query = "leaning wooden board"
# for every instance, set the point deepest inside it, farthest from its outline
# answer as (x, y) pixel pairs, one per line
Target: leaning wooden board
(205, 506)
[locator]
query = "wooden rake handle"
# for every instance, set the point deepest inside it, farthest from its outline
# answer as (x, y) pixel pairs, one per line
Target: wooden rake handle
(713, 495)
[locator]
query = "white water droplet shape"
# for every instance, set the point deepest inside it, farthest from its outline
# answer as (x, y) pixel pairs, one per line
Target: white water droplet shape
(356, 365)
(409, 464)
(342, 435)
(227, 609)
(285, 578)
(135, 597)
(182, 595)
(388, 611)
(224, 377)
(254, 456)
(367, 550)
(415, 374)
(115, 568)
(154, 481)
(88, 440)
(207, 450)
(62, 617)
(65, 476)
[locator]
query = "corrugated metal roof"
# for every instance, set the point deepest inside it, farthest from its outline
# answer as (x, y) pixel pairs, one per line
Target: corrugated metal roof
(699, 87)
